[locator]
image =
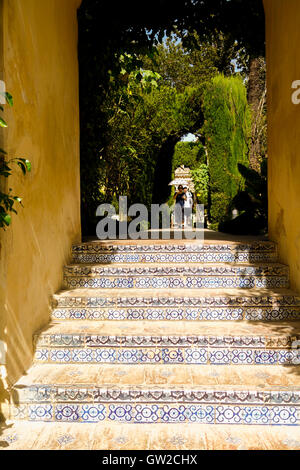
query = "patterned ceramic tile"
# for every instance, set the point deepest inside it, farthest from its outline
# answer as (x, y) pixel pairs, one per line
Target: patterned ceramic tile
(93, 413)
(288, 357)
(209, 257)
(265, 357)
(40, 412)
(167, 413)
(254, 301)
(67, 412)
(196, 356)
(208, 313)
(242, 356)
(283, 415)
(121, 413)
(169, 282)
(220, 356)
(132, 251)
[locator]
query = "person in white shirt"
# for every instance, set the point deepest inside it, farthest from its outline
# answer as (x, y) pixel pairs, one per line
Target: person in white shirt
(188, 208)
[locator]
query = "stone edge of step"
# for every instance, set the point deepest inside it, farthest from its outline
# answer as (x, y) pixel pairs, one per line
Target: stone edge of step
(236, 269)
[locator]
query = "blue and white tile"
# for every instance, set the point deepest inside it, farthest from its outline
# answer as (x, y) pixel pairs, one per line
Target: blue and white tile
(42, 355)
(196, 356)
(105, 355)
(230, 414)
(204, 414)
(173, 356)
(139, 356)
(173, 413)
(219, 356)
(62, 355)
(40, 412)
(242, 356)
(144, 413)
(93, 413)
(67, 412)
(286, 357)
(266, 357)
(283, 415)
(121, 413)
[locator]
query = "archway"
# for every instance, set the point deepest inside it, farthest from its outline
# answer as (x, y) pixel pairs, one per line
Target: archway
(131, 32)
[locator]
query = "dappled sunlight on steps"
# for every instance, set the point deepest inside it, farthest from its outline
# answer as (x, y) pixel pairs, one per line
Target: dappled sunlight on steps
(165, 332)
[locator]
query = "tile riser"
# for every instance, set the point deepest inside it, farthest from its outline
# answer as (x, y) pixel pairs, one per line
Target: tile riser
(54, 394)
(213, 414)
(182, 270)
(196, 314)
(167, 340)
(163, 301)
(158, 355)
(196, 282)
(182, 258)
(234, 249)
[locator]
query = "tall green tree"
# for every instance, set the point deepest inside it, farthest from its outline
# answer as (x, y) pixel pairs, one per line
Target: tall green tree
(189, 154)
(227, 131)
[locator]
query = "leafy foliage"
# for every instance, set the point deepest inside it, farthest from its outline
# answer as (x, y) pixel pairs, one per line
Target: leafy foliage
(189, 154)
(7, 199)
(200, 177)
(227, 129)
(142, 138)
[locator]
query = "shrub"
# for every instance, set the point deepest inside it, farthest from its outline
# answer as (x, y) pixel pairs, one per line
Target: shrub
(218, 207)
(227, 131)
(201, 181)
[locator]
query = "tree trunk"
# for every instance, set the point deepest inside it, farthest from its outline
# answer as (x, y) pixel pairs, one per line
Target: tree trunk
(163, 170)
(256, 100)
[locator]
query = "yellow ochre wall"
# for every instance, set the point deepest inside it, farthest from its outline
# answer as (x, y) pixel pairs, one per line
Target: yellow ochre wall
(283, 65)
(39, 43)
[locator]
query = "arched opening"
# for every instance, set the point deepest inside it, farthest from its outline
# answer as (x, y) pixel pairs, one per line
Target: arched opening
(126, 49)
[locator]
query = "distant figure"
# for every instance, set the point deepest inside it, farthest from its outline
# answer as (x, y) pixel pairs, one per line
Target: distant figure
(188, 208)
(180, 199)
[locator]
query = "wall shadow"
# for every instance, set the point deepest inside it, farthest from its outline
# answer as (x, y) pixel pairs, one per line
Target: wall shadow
(4, 395)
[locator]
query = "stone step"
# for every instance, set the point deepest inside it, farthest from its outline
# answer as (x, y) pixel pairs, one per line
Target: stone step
(175, 436)
(98, 252)
(268, 396)
(169, 343)
(231, 304)
(272, 275)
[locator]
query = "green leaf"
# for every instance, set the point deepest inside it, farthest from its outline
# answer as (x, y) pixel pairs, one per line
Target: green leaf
(28, 165)
(2, 123)
(9, 99)
(7, 219)
(24, 164)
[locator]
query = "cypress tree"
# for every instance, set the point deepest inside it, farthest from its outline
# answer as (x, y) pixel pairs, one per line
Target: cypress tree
(227, 130)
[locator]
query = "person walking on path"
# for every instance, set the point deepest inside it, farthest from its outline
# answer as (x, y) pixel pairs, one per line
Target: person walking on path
(180, 199)
(188, 208)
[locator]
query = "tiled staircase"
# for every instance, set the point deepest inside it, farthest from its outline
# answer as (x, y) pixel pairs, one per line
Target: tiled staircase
(168, 332)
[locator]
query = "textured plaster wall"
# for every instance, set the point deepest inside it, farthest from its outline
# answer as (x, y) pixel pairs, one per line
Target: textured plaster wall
(39, 42)
(283, 62)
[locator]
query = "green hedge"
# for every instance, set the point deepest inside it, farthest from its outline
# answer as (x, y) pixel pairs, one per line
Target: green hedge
(227, 132)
